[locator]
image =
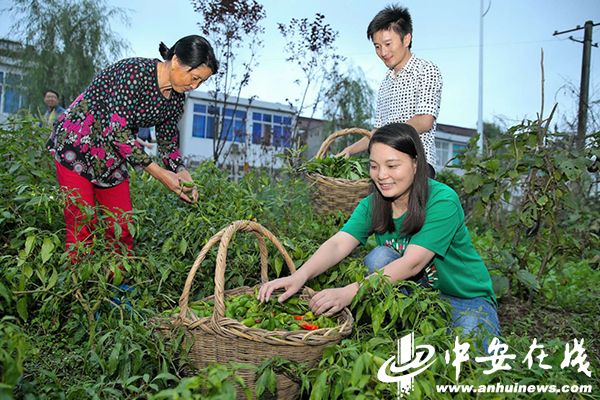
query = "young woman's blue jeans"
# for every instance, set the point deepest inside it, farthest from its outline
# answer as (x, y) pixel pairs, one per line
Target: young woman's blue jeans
(474, 315)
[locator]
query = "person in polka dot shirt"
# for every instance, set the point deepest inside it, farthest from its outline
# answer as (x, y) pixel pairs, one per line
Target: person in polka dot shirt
(96, 136)
(411, 91)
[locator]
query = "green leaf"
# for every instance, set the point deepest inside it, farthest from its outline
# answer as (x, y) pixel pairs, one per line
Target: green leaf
(53, 279)
(22, 308)
(167, 245)
(528, 279)
(278, 264)
(113, 360)
(529, 215)
(166, 377)
(357, 370)
(500, 285)
(29, 244)
(183, 246)
(27, 271)
(572, 168)
(47, 248)
(261, 384)
(542, 200)
(318, 389)
(472, 182)
(4, 292)
(487, 190)
(492, 165)
(271, 381)
(377, 317)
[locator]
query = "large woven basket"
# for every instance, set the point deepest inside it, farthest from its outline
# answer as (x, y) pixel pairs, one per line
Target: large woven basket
(221, 339)
(327, 194)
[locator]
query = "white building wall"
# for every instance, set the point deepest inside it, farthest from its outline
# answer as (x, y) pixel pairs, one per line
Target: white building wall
(445, 149)
(235, 154)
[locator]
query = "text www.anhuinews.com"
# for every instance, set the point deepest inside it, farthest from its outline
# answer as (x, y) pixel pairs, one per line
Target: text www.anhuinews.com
(514, 388)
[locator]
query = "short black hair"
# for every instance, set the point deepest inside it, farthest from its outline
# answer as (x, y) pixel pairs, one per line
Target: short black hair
(193, 51)
(52, 91)
(391, 17)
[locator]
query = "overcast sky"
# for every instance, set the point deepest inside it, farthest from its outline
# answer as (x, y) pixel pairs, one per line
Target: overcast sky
(445, 32)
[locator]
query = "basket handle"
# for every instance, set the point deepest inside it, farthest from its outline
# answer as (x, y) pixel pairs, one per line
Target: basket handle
(225, 235)
(325, 146)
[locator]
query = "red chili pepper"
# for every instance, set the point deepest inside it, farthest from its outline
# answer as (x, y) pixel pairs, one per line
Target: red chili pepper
(308, 326)
(299, 317)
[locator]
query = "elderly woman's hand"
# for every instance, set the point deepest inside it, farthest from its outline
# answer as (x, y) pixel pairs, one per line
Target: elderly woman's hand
(186, 179)
(175, 182)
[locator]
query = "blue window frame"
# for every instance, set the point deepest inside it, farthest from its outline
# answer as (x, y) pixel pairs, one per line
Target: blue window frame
(11, 93)
(234, 125)
(1, 84)
(204, 121)
(271, 129)
(457, 149)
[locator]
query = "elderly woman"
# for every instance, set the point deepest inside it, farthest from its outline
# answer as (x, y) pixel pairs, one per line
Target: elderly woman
(97, 134)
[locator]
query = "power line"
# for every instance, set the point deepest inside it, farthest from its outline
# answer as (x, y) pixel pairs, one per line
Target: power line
(585, 77)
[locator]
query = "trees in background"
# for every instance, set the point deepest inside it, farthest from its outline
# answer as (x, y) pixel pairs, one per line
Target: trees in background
(311, 46)
(233, 28)
(66, 42)
(349, 103)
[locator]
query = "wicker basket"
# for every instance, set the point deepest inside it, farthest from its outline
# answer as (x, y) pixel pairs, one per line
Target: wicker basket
(221, 339)
(327, 194)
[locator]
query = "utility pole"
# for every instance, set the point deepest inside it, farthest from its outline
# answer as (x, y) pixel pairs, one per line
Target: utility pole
(585, 79)
(480, 142)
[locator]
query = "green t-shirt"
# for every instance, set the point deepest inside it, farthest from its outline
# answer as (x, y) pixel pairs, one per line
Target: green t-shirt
(457, 268)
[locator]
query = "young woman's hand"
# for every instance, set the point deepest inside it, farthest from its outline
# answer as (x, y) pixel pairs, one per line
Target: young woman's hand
(344, 153)
(330, 301)
(291, 284)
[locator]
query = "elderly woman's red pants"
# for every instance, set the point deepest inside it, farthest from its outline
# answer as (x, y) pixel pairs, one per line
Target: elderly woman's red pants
(80, 225)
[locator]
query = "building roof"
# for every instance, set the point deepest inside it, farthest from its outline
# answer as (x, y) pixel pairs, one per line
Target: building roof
(254, 103)
(456, 130)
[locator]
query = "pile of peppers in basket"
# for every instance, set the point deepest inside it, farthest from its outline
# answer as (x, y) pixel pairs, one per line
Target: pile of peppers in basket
(291, 315)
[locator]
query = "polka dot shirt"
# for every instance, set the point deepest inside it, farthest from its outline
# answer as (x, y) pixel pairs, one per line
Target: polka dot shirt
(96, 134)
(415, 90)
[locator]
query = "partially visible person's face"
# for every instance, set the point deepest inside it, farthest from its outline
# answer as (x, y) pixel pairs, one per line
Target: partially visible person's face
(392, 171)
(392, 50)
(184, 80)
(51, 99)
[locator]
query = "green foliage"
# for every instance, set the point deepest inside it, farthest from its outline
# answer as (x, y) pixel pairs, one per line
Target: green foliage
(310, 45)
(451, 179)
(338, 167)
(12, 354)
(64, 335)
(526, 198)
(349, 103)
(67, 42)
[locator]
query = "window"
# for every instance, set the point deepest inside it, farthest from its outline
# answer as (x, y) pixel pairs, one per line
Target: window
(443, 152)
(457, 149)
(234, 123)
(271, 129)
(11, 98)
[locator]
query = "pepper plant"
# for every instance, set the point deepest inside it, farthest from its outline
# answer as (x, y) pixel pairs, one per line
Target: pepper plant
(529, 196)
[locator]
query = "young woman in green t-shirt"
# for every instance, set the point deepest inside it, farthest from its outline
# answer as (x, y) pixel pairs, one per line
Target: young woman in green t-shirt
(419, 226)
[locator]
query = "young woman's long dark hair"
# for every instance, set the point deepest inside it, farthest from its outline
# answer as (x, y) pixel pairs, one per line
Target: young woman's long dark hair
(193, 51)
(405, 139)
